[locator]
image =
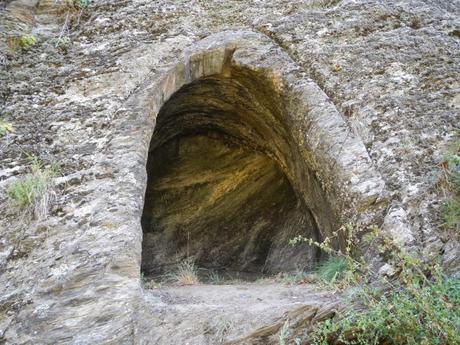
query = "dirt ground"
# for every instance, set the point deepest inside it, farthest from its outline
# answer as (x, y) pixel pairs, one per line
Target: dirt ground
(220, 314)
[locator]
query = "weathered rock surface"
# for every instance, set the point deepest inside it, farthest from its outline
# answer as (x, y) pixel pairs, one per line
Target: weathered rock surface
(233, 314)
(388, 71)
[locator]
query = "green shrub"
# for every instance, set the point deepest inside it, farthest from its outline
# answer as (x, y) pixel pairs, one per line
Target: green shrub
(419, 305)
(323, 3)
(16, 43)
(215, 278)
(62, 42)
(414, 314)
(283, 333)
(451, 164)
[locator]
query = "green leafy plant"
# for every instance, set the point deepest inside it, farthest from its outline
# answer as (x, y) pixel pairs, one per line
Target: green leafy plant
(451, 213)
(27, 41)
(23, 42)
(219, 329)
(215, 278)
(341, 270)
(416, 312)
(62, 42)
(323, 3)
(35, 191)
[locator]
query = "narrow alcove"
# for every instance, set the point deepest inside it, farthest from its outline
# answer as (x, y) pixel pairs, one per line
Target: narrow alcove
(225, 183)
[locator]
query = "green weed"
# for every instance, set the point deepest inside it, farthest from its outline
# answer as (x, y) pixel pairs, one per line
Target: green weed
(34, 192)
(27, 41)
(23, 42)
(333, 269)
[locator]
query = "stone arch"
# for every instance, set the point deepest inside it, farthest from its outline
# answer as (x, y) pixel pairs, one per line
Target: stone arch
(324, 161)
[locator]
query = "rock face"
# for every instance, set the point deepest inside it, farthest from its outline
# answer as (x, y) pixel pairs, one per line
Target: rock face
(362, 100)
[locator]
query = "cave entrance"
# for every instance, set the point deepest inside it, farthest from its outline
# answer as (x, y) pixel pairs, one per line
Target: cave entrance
(222, 182)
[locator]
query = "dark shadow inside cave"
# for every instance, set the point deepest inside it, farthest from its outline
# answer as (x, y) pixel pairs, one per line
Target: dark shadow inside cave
(220, 182)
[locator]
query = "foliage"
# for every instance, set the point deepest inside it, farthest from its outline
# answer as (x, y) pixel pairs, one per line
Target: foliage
(143, 278)
(62, 42)
(219, 328)
(215, 278)
(22, 42)
(5, 127)
(341, 270)
(333, 269)
(450, 185)
(27, 41)
(323, 3)
(80, 4)
(416, 312)
(34, 191)
(420, 305)
(451, 212)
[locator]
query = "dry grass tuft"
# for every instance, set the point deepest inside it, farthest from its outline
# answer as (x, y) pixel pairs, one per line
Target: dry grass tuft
(186, 273)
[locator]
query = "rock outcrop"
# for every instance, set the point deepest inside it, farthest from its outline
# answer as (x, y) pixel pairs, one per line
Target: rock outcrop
(366, 102)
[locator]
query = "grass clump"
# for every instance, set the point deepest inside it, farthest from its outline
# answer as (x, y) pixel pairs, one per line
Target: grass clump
(35, 191)
(451, 213)
(80, 4)
(185, 273)
(283, 333)
(332, 270)
(215, 278)
(219, 329)
(450, 187)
